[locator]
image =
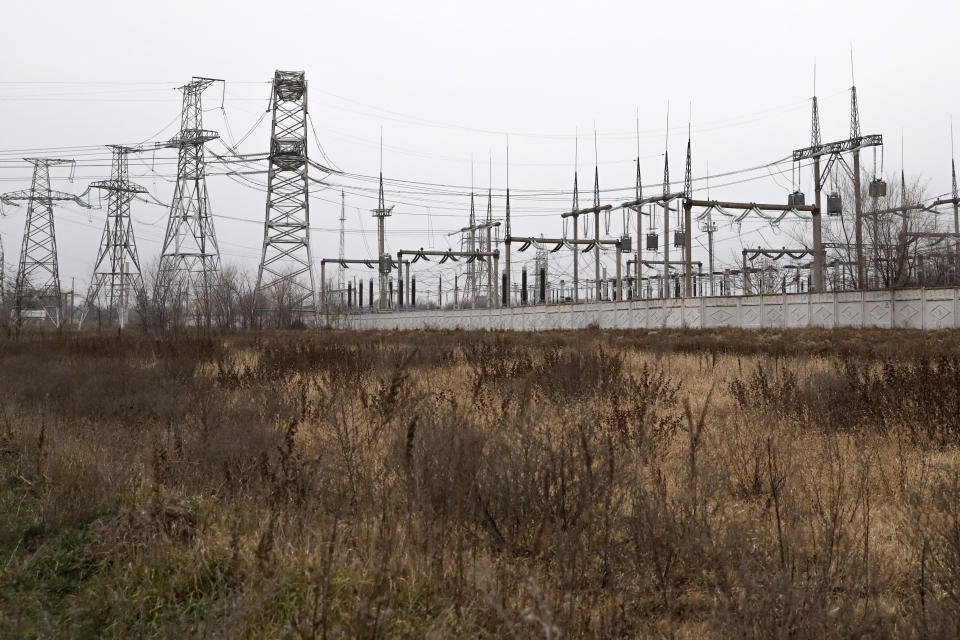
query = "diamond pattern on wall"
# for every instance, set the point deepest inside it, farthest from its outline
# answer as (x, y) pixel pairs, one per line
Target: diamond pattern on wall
(720, 316)
(878, 311)
(939, 312)
(908, 312)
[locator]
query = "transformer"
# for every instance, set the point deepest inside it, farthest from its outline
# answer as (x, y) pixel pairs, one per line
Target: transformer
(653, 242)
(796, 199)
(834, 204)
(626, 244)
(679, 238)
(878, 188)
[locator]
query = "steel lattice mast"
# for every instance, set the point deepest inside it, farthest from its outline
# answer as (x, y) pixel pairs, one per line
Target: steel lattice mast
(38, 275)
(190, 257)
(381, 213)
(341, 269)
(286, 255)
(116, 274)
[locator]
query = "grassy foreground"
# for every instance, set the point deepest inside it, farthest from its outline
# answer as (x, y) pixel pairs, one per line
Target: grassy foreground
(682, 484)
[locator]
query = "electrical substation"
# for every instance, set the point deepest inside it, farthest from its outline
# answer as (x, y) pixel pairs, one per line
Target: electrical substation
(654, 251)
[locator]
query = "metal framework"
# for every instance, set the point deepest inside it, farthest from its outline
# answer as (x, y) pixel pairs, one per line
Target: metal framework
(833, 150)
(286, 257)
(38, 275)
(424, 254)
(190, 257)
(955, 201)
(749, 255)
(592, 244)
(484, 268)
(341, 263)
(116, 273)
(381, 213)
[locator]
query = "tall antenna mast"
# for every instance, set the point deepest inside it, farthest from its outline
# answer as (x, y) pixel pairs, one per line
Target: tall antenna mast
(665, 282)
(688, 175)
(381, 213)
(854, 108)
(490, 191)
(506, 236)
(341, 270)
(639, 185)
(638, 192)
(576, 219)
(489, 229)
(666, 155)
(507, 231)
(596, 213)
(815, 116)
(576, 165)
(471, 288)
(953, 164)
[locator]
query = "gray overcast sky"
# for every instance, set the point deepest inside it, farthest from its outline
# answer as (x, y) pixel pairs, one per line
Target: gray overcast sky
(445, 79)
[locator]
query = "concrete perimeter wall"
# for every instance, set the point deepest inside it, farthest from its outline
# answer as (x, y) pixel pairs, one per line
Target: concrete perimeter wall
(907, 308)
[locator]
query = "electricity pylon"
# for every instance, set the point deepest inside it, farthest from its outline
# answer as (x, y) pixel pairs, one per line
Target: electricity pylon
(190, 258)
(286, 257)
(116, 274)
(38, 275)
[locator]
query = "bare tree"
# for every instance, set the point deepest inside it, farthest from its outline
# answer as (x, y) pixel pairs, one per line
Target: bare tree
(889, 260)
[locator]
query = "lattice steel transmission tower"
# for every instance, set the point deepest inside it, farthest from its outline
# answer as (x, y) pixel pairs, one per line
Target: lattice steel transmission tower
(286, 259)
(38, 275)
(190, 258)
(116, 274)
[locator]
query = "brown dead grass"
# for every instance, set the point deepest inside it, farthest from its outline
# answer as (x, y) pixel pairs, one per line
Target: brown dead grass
(680, 484)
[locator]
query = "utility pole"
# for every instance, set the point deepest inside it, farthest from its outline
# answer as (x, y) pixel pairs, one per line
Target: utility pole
(507, 290)
(38, 274)
(858, 205)
(341, 270)
(687, 235)
(596, 224)
(116, 273)
(596, 215)
(666, 211)
(576, 232)
(955, 201)
(491, 276)
(381, 213)
(638, 192)
(819, 254)
(709, 227)
(190, 257)
(286, 256)
(470, 288)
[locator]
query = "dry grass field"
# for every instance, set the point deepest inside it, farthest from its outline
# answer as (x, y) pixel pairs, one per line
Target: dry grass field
(674, 484)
